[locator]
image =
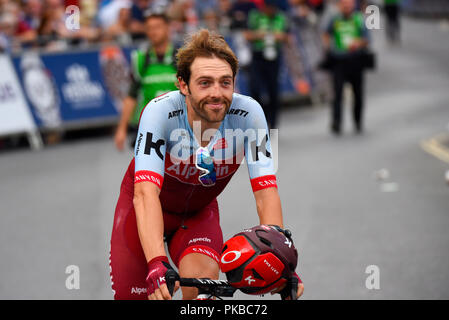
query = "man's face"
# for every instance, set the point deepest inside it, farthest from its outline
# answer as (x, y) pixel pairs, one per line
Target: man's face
(347, 6)
(157, 30)
(210, 88)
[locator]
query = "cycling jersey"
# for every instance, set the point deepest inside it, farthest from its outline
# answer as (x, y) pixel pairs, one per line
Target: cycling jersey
(165, 151)
(345, 30)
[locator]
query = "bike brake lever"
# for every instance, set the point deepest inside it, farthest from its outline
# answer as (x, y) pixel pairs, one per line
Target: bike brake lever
(294, 286)
(170, 278)
(290, 290)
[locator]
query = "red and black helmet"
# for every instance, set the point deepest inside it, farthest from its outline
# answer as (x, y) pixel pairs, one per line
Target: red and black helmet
(259, 260)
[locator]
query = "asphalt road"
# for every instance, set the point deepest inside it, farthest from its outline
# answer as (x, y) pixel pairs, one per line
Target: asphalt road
(57, 205)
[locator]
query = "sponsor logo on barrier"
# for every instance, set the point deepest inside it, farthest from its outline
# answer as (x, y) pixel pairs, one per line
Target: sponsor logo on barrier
(80, 90)
(15, 115)
(6, 92)
(40, 89)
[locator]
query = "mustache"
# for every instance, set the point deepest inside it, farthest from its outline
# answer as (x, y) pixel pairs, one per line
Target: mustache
(218, 100)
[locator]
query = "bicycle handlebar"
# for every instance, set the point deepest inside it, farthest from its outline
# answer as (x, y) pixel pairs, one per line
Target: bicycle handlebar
(216, 288)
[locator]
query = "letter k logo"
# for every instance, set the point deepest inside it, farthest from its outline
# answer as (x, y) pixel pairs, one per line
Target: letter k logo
(153, 145)
(250, 279)
(255, 149)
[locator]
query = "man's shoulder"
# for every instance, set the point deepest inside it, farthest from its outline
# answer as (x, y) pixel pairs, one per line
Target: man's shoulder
(164, 105)
(245, 111)
(241, 100)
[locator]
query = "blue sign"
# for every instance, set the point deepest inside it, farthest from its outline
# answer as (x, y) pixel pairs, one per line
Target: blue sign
(76, 87)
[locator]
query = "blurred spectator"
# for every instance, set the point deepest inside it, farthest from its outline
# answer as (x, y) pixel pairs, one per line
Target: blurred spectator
(392, 11)
(316, 5)
(266, 33)
(119, 29)
(210, 20)
(184, 17)
(52, 30)
(32, 10)
(109, 10)
(303, 46)
(7, 30)
(239, 13)
(137, 23)
(301, 13)
(205, 6)
(224, 16)
(154, 73)
(346, 38)
(14, 30)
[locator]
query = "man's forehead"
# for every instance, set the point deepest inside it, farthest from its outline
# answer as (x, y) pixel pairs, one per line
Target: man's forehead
(210, 67)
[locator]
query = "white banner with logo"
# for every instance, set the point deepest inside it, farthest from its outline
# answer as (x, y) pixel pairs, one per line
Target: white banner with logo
(15, 116)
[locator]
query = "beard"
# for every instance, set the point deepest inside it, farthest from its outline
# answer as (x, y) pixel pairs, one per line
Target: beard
(211, 115)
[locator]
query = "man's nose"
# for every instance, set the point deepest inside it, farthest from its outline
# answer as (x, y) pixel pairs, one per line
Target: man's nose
(215, 90)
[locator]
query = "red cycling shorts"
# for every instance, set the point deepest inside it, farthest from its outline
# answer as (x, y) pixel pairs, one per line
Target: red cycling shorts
(197, 233)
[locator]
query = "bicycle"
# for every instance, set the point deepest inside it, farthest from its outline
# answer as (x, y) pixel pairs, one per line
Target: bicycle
(217, 288)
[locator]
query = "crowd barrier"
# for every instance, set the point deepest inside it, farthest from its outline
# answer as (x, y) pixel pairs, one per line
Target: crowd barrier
(426, 8)
(44, 91)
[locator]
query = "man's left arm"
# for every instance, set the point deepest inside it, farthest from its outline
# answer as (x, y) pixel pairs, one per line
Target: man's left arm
(268, 205)
(269, 209)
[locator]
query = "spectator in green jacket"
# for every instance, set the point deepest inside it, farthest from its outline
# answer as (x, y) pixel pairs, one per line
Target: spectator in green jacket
(153, 74)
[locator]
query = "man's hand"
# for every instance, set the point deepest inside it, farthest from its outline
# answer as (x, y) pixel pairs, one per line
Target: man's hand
(120, 138)
(357, 44)
(285, 290)
(156, 284)
(128, 105)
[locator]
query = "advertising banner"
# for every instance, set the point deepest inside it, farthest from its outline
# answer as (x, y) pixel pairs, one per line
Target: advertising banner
(73, 88)
(15, 116)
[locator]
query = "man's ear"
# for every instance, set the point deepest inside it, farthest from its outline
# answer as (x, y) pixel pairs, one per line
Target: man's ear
(183, 86)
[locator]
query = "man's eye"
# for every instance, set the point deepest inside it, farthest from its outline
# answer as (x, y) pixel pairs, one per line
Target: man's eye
(204, 83)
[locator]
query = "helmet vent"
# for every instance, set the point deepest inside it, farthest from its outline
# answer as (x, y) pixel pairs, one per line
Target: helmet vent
(266, 241)
(256, 275)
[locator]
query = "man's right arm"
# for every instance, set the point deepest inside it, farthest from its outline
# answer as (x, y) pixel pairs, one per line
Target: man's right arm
(129, 103)
(150, 224)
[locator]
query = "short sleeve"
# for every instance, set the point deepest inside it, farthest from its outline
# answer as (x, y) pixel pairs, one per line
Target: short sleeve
(151, 144)
(258, 151)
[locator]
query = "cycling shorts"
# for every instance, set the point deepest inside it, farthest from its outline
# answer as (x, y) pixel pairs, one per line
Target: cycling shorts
(199, 232)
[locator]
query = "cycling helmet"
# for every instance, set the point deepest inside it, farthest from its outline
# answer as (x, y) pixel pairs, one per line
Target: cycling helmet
(259, 260)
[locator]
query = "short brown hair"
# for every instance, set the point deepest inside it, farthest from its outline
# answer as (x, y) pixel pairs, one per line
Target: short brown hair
(207, 44)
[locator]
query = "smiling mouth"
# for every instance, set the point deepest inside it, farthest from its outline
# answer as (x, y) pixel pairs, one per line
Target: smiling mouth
(215, 106)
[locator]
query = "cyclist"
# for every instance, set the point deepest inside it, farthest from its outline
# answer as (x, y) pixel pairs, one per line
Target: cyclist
(190, 143)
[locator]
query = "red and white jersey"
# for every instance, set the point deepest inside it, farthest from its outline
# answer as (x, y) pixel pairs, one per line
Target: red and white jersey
(165, 151)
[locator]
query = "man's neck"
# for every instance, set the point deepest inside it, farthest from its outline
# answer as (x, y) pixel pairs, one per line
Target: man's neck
(161, 48)
(347, 15)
